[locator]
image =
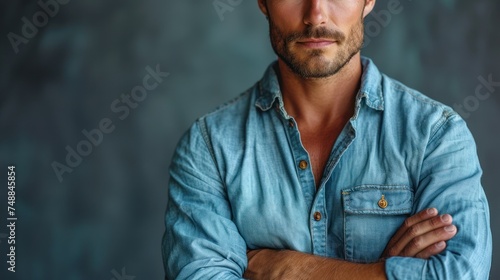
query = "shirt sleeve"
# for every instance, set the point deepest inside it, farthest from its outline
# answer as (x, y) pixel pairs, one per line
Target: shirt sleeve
(450, 181)
(200, 241)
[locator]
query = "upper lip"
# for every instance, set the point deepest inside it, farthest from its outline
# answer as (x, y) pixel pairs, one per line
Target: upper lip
(316, 40)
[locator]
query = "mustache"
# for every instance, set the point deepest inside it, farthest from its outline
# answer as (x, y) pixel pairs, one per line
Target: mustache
(315, 33)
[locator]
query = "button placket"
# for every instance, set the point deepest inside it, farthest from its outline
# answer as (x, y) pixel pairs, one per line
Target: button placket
(319, 220)
(300, 158)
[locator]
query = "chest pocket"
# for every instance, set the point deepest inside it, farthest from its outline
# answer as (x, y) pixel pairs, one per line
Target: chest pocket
(372, 214)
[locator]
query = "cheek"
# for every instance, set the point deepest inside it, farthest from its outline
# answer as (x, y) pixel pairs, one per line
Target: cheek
(345, 13)
(287, 15)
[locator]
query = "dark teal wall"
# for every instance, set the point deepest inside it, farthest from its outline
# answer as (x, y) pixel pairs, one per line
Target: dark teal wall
(107, 214)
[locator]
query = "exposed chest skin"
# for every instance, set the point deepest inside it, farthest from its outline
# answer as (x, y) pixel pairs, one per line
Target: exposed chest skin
(318, 144)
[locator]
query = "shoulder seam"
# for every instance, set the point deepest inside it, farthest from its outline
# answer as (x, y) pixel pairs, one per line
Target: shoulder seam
(446, 117)
(395, 84)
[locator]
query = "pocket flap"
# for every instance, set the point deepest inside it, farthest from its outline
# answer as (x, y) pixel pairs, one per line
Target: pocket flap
(378, 199)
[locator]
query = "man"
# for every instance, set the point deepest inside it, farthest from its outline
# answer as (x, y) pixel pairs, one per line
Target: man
(326, 169)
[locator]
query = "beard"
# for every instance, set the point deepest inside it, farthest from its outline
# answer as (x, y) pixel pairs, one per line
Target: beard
(314, 63)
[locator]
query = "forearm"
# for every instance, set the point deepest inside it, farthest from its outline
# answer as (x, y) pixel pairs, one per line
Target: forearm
(339, 269)
(284, 264)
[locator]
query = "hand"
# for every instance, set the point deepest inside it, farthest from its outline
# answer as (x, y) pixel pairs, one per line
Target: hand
(422, 235)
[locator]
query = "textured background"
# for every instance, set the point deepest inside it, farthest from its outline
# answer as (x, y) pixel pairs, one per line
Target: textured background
(105, 219)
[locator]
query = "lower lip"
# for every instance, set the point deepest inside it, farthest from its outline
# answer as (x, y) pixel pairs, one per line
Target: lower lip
(319, 44)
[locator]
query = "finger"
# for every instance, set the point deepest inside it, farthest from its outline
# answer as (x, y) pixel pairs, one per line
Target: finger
(414, 233)
(419, 243)
(432, 250)
(417, 218)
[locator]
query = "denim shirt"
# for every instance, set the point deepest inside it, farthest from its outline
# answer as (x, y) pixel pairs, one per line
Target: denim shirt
(241, 179)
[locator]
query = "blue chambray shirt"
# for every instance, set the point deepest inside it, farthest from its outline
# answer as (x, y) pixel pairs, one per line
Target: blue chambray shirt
(241, 179)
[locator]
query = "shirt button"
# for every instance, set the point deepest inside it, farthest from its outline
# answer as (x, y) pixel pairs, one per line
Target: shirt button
(382, 203)
(290, 123)
(303, 164)
(317, 216)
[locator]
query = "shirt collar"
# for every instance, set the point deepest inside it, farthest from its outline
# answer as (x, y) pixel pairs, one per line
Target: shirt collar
(269, 89)
(370, 90)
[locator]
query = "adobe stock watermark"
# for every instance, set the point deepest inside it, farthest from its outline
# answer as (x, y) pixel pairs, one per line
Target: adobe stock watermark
(48, 8)
(483, 91)
(223, 6)
(377, 21)
(122, 107)
(122, 276)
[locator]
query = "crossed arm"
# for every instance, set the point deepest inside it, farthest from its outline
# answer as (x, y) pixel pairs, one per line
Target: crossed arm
(421, 236)
(202, 242)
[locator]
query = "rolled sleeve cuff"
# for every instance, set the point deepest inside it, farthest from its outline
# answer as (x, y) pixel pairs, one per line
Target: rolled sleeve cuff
(405, 268)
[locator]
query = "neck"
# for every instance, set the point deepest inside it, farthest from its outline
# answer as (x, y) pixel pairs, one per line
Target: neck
(321, 102)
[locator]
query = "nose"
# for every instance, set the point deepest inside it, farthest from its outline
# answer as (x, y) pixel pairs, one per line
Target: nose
(315, 12)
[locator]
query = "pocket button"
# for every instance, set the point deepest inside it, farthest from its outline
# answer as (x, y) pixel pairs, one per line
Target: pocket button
(382, 203)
